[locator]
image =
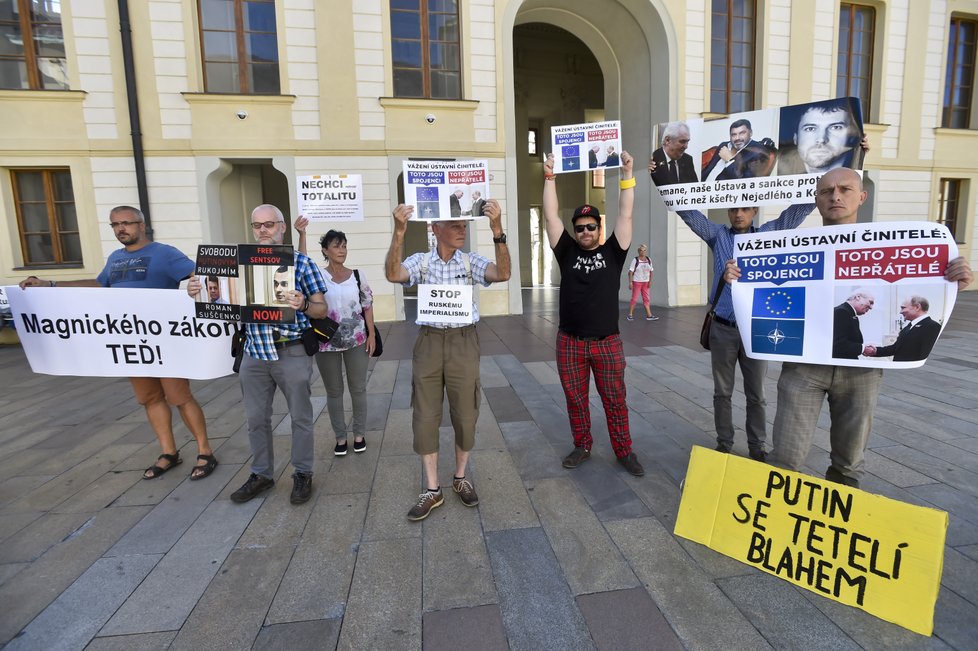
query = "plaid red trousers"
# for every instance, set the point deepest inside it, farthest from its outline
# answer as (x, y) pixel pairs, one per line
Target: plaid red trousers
(576, 360)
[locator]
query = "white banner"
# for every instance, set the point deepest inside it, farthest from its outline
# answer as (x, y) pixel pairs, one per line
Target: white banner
(870, 295)
(331, 197)
(104, 332)
(448, 304)
(446, 189)
(583, 147)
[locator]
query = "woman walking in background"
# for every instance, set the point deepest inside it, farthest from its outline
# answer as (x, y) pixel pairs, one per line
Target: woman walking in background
(639, 281)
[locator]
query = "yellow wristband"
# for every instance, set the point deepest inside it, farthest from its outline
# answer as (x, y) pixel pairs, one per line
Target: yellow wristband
(626, 184)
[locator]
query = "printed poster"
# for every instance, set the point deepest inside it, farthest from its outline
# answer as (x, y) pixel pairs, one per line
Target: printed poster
(250, 283)
(446, 189)
(867, 551)
(870, 295)
(756, 158)
(583, 147)
(114, 332)
(331, 197)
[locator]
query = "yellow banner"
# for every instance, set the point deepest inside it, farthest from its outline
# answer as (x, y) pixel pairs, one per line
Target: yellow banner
(864, 550)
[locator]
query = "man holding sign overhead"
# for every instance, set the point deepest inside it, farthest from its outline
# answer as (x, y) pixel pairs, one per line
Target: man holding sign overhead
(587, 337)
(446, 355)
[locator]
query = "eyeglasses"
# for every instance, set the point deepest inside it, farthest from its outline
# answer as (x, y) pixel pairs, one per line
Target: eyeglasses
(266, 225)
(114, 225)
(580, 228)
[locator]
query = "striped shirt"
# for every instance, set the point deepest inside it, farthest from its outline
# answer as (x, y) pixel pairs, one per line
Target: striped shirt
(452, 272)
(721, 240)
(260, 342)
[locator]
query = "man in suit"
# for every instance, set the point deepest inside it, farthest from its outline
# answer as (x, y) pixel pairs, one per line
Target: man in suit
(455, 203)
(672, 163)
(825, 138)
(741, 157)
(917, 338)
(592, 156)
(847, 338)
(612, 159)
(478, 203)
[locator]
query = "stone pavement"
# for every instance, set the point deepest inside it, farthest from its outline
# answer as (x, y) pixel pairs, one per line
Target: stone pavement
(93, 557)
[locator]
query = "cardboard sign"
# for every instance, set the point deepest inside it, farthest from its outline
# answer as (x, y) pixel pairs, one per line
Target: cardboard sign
(840, 294)
(445, 304)
(106, 332)
(245, 282)
(331, 197)
(863, 550)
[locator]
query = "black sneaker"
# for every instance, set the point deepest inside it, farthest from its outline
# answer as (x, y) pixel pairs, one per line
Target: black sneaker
(723, 448)
(577, 456)
(340, 449)
(360, 446)
(632, 465)
(301, 487)
(758, 455)
(252, 488)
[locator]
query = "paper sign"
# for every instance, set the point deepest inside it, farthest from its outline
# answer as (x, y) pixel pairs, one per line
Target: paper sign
(869, 295)
(245, 282)
(441, 190)
(448, 304)
(863, 550)
(331, 197)
(112, 332)
(583, 147)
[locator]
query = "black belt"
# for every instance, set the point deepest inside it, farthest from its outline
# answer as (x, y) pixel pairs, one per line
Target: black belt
(576, 338)
(285, 344)
(447, 329)
(729, 324)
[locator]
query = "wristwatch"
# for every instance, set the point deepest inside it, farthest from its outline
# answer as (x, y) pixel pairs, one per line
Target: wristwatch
(500, 240)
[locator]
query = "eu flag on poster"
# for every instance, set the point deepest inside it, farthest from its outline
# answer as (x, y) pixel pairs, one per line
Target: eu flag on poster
(779, 302)
(427, 194)
(777, 336)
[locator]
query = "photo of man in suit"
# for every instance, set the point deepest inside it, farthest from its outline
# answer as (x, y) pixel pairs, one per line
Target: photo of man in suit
(847, 337)
(741, 157)
(455, 203)
(916, 339)
(592, 156)
(478, 204)
(824, 136)
(672, 163)
(612, 159)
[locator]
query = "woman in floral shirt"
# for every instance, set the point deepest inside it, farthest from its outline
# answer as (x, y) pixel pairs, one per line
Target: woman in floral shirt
(353, 342)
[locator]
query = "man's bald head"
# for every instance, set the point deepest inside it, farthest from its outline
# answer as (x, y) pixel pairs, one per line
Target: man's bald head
(838, 195)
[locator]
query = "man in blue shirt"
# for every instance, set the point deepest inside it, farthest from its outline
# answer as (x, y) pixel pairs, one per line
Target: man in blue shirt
(145, 264)
(274, 356)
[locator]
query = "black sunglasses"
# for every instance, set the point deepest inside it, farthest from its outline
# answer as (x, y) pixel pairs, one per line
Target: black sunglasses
(580, 228)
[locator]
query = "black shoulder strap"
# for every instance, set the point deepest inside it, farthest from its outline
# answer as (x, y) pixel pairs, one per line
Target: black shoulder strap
(356, 274)
(716, 294)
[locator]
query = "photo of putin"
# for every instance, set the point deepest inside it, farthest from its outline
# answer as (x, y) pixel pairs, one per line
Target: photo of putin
(819, 137)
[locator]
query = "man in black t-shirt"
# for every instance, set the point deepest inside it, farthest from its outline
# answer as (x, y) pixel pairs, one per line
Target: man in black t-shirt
(587, 337)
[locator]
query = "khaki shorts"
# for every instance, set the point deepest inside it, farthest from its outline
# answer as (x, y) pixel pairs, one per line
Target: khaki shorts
(175, 390)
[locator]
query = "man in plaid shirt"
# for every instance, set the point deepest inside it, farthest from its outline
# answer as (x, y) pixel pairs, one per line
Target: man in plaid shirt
(274, 357)
(446, 356)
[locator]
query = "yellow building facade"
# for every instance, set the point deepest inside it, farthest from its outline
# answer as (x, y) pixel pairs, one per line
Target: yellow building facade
(236, 98)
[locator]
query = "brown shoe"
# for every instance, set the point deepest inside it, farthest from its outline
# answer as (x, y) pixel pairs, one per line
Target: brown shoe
(427, 501)
(466, 491)
(632, 465)
(577, 456)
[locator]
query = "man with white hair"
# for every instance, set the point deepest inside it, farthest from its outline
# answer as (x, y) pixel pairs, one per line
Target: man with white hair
(672, 163)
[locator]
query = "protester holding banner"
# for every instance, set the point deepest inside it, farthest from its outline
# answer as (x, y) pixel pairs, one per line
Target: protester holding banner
(588, 336)
(145, 264)
(274, 356)
(446, 354)
(852, 391)
(350, 304)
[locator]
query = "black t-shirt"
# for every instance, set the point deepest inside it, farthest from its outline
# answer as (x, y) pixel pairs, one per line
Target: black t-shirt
(589, 283)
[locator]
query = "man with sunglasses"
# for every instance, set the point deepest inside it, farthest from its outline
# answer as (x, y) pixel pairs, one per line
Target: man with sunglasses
(587, 336)
(145, 264)
(274, 356)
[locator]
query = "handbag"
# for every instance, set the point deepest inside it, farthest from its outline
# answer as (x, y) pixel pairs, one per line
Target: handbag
(237, 348)
(378, 342)
(319, 331)
(708, 319)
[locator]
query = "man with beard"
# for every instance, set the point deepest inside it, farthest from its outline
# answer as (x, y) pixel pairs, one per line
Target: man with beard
(741, 157)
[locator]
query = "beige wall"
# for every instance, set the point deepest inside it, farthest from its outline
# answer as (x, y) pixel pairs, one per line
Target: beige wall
(336, 114)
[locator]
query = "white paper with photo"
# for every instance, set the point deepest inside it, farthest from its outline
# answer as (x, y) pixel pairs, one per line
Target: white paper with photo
(771, 156)
(330, 197)
(827, 295)
(114, 332)
(583, 147)
(441, 190)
